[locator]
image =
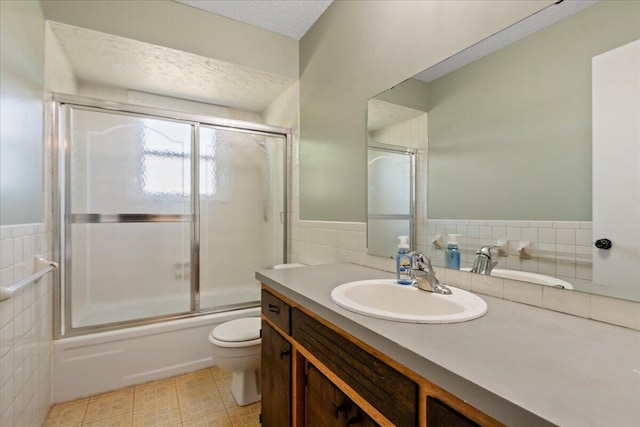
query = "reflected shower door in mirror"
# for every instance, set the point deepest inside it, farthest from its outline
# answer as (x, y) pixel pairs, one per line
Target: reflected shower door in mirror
(510, 143)
(390, 197)
(397, 138)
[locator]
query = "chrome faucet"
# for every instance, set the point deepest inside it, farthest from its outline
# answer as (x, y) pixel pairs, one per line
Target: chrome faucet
(484, 263)
(421, 272)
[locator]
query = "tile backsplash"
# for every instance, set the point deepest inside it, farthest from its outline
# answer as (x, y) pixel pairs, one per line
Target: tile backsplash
(319, 242)
(558, 248)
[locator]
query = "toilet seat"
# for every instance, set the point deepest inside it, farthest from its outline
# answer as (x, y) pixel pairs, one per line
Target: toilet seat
(237, 333)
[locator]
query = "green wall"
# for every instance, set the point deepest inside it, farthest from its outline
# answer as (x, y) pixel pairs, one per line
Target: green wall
(356, 50)
(411, 93)
(21, 112)
(510, 134)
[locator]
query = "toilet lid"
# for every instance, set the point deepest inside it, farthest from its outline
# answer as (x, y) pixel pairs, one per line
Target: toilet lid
(238, 330)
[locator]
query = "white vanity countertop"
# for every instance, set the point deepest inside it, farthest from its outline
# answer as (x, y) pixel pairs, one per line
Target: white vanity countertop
(522, 365)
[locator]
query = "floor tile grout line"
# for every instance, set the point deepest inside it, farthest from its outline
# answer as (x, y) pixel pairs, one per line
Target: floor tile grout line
(84, 414)
(175, 389)
(133, 396)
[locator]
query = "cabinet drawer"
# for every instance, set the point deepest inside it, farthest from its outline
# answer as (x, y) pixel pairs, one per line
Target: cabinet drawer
(393, 394)
(276, 310)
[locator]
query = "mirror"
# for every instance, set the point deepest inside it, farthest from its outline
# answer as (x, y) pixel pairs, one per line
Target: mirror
(509, 130)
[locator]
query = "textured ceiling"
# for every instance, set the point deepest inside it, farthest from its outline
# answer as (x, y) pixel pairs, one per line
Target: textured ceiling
(130, 64)
(291, 18)
(381, 114)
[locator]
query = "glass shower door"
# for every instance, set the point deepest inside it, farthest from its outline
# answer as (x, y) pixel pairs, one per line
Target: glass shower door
(128, 221)
(241, 213)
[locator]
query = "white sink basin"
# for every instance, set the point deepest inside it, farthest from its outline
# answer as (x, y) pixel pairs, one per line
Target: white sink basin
(386, 299)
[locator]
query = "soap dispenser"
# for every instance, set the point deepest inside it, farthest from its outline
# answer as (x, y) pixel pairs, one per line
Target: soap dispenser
(403, 261)
(452, 253)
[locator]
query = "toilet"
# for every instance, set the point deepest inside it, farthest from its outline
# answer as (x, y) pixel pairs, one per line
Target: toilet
(236, 348)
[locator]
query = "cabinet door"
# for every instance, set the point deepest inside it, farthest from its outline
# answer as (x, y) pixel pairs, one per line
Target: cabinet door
(441, 415)
(321, 407)
(390, 392)
(356, 417)
(276, 379)
(327, 406)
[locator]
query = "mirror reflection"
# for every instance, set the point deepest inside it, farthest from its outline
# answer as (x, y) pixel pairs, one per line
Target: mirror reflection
(509, 140)
(390, 196)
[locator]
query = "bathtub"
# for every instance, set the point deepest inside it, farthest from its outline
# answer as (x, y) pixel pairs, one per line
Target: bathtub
(105, 361)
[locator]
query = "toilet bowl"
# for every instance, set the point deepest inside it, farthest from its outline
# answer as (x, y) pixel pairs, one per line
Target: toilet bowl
(236, 348)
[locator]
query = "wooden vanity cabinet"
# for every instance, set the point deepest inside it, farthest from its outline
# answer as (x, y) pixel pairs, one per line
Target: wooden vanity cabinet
(326, 405)
(390, 392)
(316, 375)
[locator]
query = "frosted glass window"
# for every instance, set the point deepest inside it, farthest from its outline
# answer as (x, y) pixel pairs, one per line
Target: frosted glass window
(128, 164)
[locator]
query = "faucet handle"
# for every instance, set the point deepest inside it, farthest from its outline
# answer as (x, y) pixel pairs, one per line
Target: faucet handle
(484, 262)
(486, 250)
(420, 260)
(422, 274)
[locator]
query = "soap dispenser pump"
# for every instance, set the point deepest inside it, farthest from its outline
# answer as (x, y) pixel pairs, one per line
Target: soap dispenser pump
(403, 261)
(452, 253)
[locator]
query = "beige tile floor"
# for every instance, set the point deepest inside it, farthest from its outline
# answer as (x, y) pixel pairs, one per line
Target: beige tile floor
(198, 399)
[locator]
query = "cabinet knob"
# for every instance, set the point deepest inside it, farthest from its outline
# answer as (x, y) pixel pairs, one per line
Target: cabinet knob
(603, 244)
(284, 353)
(273, 308)
(340, 409)
(353, 420)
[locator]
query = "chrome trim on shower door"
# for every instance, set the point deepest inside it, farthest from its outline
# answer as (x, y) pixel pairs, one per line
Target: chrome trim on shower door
(94, 218)
(195, 225)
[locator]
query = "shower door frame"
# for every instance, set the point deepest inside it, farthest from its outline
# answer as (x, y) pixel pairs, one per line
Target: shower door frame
(61, 189)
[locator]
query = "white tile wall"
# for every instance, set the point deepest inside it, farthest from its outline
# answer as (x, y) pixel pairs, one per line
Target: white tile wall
(559, 248)
(26, 325)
